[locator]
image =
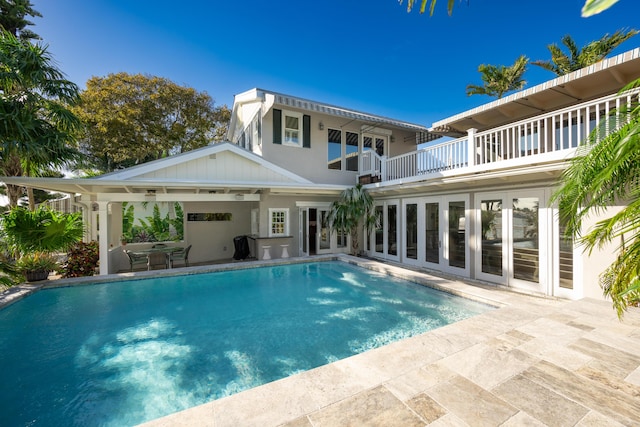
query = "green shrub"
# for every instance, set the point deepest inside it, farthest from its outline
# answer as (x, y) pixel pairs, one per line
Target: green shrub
(82, 260)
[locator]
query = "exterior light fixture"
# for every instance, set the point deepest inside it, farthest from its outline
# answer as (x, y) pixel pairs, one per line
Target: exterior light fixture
(321, 126)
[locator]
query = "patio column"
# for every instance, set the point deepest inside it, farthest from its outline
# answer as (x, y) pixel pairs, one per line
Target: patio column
(471, 146)
(103, 236)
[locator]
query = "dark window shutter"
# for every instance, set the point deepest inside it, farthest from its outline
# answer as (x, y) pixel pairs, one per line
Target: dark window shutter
(277, 126)
(306, 131)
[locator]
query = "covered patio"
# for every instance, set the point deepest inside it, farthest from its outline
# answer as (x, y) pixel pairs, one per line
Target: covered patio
(224, 191)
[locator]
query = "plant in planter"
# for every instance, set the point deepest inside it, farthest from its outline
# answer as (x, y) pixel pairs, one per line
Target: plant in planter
(36, 266)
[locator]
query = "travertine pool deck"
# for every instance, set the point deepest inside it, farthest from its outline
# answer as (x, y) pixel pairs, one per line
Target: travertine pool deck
(532, 361)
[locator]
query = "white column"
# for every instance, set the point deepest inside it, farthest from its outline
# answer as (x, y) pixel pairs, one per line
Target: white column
(103, 236)
(471, 146)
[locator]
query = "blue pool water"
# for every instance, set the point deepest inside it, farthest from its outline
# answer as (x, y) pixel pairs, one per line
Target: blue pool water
(126, 352)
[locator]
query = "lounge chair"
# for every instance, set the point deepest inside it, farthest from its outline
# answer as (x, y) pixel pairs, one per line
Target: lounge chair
(135, 259)
(181, 255)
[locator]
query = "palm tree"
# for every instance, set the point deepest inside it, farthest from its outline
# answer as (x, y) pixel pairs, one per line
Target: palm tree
(13, 15)
(355, 205)
(498, 80)
(607, 173)
(591, 7)
(37, 124)
(562, 63)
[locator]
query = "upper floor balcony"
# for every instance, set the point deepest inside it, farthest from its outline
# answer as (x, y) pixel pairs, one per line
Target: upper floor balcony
(545, 138)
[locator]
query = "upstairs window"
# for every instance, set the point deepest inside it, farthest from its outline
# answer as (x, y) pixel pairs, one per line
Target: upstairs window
(334, 159)
(292, 129)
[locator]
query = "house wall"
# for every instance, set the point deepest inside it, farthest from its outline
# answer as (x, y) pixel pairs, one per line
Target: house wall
(213, 240)
(312, 163)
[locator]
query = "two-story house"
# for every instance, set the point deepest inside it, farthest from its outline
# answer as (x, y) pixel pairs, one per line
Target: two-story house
(470, 196)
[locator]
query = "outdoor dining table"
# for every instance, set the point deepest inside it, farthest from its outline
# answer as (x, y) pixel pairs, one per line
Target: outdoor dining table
(150, 252)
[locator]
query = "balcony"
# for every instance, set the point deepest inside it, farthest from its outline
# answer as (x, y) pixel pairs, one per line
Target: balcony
(551, 137)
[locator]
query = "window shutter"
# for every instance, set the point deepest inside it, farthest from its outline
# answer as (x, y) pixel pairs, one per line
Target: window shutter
(277, 126)
(306, 131)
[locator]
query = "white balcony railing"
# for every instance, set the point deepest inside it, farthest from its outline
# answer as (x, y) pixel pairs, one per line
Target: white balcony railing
(561, 130)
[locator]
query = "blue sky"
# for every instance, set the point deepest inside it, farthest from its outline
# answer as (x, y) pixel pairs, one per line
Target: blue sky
(366, 55)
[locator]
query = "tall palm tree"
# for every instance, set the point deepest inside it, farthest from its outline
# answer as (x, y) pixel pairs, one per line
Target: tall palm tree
(591, 7)
(37, 125)
(355, 206)
(498, 80)
(13, 18)
(562, 63)
(608, 172)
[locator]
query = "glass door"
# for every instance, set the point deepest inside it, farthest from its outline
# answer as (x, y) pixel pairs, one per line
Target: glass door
(303, 231)
(455, 250)
(325, 240)
(385, 236)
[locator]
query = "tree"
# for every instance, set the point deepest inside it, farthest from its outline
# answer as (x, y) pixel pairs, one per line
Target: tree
(132, 119)
(13, 15)
(606, 173)
(37, 126)
(355, 205)
(591, 7)
(562, 63)
(498, 80)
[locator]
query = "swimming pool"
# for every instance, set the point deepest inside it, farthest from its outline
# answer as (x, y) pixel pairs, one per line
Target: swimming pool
(125, 352)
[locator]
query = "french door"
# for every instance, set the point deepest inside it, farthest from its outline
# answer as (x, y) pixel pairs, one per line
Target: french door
(315, 234)
(435, 233)
(512, 232)
(384, 240)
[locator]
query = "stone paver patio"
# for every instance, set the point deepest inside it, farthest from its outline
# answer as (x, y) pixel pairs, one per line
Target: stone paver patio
(532, 362)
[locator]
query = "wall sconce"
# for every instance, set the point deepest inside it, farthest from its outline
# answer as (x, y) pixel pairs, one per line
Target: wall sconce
(393, 139)
(321, 126)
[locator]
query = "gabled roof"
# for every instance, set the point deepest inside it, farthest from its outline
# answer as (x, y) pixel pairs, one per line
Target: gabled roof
(219, 168)
(603, 78)
(280, 99)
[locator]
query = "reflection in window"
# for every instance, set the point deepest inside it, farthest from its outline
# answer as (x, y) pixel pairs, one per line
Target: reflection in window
(412, 231)
(334, 153)
(566, 256)
(392, 235)
(524, 232)
(491, 223)
(292, 129)
(379, 238)
(457, 229)
(432, 232)
(352, 151)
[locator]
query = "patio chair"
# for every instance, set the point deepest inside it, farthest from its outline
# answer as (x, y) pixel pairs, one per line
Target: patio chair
(180, 255)
(135, 259)
(157, 259)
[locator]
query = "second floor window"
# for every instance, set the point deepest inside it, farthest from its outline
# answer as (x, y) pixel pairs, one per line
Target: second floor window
(292, 129)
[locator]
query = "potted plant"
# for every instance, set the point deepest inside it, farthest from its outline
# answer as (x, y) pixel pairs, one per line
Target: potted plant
(36, 266)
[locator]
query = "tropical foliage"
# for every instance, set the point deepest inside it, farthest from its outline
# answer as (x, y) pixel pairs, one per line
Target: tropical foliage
(132, 119)
(82, 259)
(13, 18)
(499, 80)
(608, 173)
(354, 207)
(37, 262)
(591, 7)
(42, 230)
(37, 125)
(562, 63)
(153, 228)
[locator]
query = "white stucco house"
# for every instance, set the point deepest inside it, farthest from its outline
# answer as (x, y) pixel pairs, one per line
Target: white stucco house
(476, 205)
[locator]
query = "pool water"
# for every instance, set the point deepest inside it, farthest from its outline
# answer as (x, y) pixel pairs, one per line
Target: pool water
(127, 352)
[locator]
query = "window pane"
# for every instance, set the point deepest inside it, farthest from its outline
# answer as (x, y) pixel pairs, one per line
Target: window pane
(412, 231)
(291, 137)
(334, 159)
(432, 212)
(526, 259)
(491, 222)
(379, 229)
(457, 228)
(566, 257)
(291, 122)
(392, 235)
(352, 151)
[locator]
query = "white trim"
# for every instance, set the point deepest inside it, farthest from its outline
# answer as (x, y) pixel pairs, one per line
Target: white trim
(287, 220)
(300, 130)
